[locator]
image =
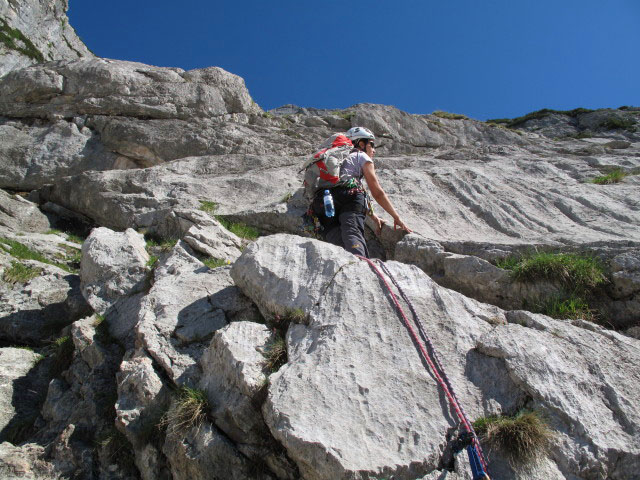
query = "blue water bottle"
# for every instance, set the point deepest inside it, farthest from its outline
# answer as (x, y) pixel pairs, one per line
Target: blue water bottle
(329, 209)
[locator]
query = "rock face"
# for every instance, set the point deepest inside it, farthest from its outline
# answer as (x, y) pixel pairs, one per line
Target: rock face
(37, 31)
(130, 337)
(354, 398)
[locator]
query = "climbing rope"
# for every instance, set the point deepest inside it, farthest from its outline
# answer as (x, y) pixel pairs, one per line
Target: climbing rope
(474, 451)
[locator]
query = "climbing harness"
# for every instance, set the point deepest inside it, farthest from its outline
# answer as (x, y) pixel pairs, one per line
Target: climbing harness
(469, 437)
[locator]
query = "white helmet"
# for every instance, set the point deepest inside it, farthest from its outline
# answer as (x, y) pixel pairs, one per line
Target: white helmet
(357, 133)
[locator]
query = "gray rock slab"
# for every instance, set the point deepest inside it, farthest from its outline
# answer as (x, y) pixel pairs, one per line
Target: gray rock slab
(586, 379)
(98, 86)
(186, 305)
(19, 214)
(25, 461)
(32, 311)
(36, 153)
(14, 364)
(46, 26)
(214, 241)
(114, 265)
(203, 453)
(232, 373)
(359, 387)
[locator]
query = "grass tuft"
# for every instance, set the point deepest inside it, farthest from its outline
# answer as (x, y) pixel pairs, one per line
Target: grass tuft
(614, 176)
(20, 273)
(153, 259)
(450, 116)
(22, 252)
(162, 244)
(240, 229)
(208, 206)
(523, 437)
(569, 306)
(213, 262)
(578, 272)
(275, 354)
(188, 411)
(615, 123)
(14, 39)
(512, 123)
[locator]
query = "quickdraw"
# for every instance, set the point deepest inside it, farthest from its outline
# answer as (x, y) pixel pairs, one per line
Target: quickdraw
(476, 458)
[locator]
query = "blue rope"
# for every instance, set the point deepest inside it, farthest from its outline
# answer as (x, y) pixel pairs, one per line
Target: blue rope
(476, 466)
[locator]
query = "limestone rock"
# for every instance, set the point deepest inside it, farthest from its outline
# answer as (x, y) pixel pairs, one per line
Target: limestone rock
(25, 461)
(14, 364)
(626, 274)
(186, 305)
(142, 400)
(32, 311)
(348, 400)
(114, 265)
(16, 213)
(43, 33)
(203, 453)
(36, 153)
(97, 86)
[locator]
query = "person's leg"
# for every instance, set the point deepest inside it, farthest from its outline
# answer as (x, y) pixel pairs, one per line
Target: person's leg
(334, 235)
(352, 230)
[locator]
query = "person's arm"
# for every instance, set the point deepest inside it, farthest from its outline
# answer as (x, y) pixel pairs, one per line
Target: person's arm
(380, 196)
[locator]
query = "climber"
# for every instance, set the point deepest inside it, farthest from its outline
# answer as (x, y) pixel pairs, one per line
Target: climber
(346, 227)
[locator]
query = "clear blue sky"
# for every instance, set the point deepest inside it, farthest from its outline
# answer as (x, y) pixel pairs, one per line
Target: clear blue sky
(486, 59)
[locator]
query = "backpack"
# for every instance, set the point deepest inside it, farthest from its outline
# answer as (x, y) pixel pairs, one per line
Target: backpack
(322, 171)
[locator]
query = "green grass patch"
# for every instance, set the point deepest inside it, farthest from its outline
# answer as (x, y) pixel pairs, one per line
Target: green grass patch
(616, 123)
(208, 206)
(62, 349)
(22, 252)
(213, 262)
(275, 354)
(545, 112)
(71, 237)
(523, 438)
(577, 272)
(569, 306)
(162, 244)
(14, 39)
(20, 273)
(153, 259)
(450, 116)
(344, 114)
(189, 410)
(614, 176)
(240, 229)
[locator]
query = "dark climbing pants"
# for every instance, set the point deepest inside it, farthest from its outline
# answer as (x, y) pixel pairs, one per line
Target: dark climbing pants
(346, 228)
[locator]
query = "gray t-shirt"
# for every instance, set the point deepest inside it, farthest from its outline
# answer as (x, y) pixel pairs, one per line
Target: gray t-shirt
(352, 166)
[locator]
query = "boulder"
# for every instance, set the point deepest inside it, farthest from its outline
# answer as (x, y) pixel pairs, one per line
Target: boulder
(114, 265)
(19, 214)
(234, 378)
(15, 363)
(355, 399)
(33, 310)
(25, 461)
(186, 305)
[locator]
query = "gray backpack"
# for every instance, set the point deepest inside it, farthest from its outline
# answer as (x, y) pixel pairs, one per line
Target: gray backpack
(322, 171)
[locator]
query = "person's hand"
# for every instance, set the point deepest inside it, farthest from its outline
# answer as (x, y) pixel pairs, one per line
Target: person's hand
(379, 222)
(397, 223)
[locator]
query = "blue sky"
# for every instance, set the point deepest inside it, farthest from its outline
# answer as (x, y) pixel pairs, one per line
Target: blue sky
(485, 59)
